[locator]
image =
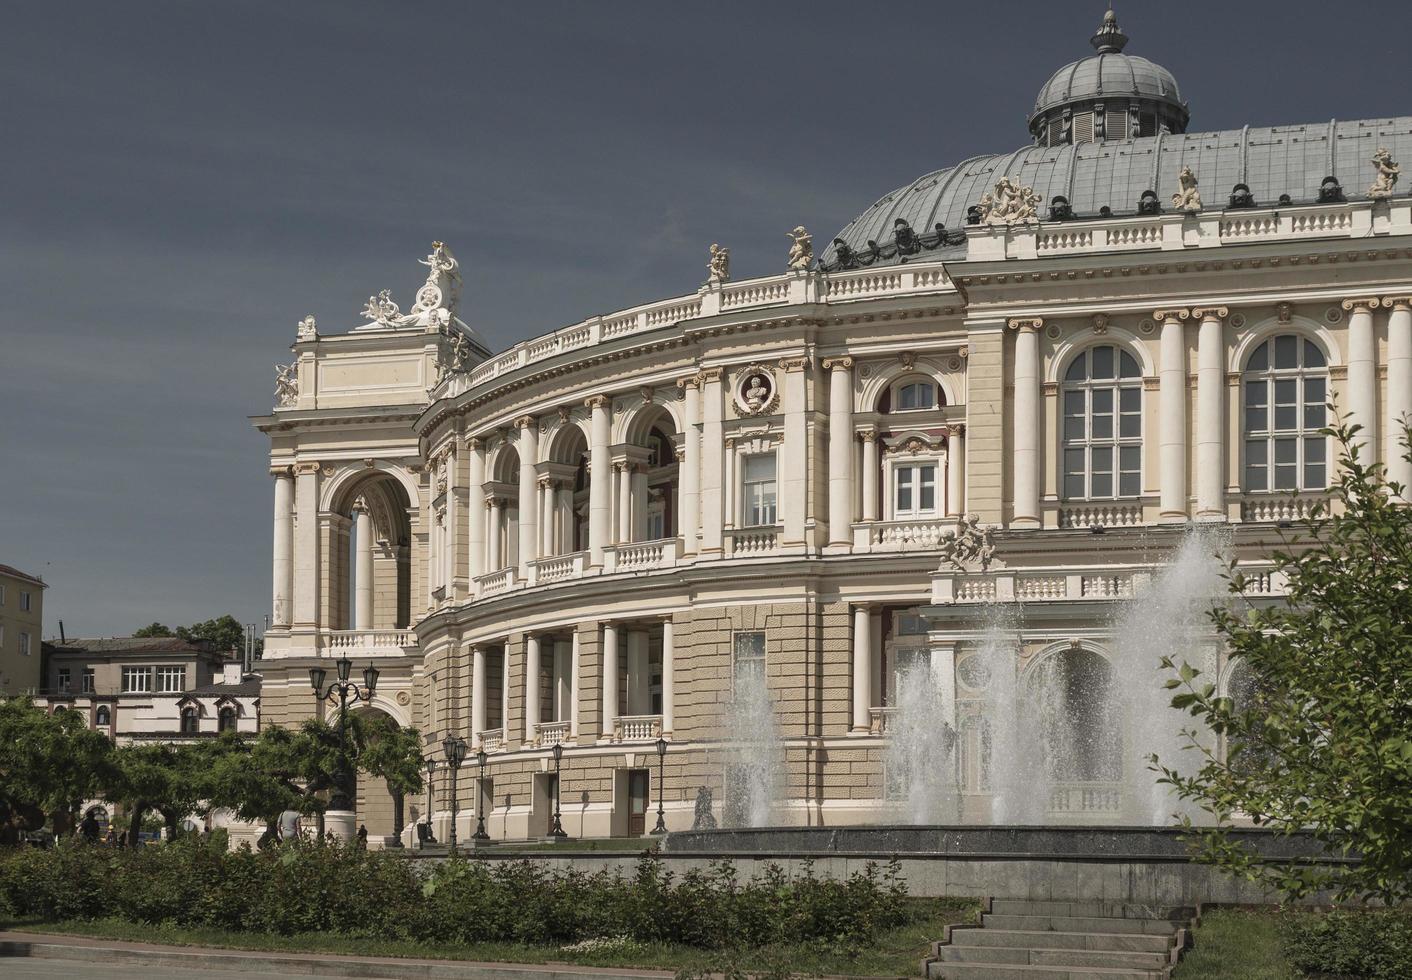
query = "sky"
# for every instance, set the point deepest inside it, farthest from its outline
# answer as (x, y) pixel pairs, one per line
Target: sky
(183, 181)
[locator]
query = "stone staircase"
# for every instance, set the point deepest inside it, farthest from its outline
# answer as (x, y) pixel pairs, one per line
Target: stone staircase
(1058, 940)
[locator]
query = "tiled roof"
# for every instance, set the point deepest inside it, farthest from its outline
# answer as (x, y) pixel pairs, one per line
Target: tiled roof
(16, 573)
(131, 644)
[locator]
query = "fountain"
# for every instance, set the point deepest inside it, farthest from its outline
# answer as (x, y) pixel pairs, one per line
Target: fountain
(756, 755)
(920, 760)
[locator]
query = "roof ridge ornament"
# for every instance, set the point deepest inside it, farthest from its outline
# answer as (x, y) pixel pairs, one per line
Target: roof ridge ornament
(1109, 38)
(436, 300)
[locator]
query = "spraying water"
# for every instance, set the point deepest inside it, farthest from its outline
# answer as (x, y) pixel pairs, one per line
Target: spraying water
(756, 754)
(920, 760)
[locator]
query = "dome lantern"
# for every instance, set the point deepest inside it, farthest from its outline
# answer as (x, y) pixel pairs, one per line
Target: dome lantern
(1107, 96)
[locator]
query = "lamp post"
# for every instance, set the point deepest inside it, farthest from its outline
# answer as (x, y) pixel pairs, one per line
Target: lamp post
(347, 692)
(426, 835)
(480, 833)
(557, 831)
(661, 827)
(454, 747)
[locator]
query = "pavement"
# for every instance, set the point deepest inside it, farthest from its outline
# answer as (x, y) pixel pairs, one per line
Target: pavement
(32, 956)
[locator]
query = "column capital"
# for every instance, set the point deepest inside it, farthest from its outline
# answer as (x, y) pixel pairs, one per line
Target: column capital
(1361, 304)
(955, 429)
(279, 471)
(866, 433)
(475, 444)
(838, 363)
(710, 375)
(597, 401)
(305, 469)
(1173, 315)
(1026, 324)
(360, 505)
(690, 381)
(791, 364)
(525, 422)
(1210, 312)
(1397, 302)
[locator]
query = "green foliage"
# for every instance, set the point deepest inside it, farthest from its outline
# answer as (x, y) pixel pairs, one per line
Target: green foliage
(1323, 742)
(48, 763)
(154, 629)
(324, 887)
(224, 633)
(1376, 944)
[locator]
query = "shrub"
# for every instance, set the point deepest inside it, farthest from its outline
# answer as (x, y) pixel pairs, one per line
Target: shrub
(1376, 944)
(309, 887)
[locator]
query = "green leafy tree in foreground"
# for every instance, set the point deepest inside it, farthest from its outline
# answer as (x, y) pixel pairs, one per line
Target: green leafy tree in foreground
(1323, 742)
(49, 764)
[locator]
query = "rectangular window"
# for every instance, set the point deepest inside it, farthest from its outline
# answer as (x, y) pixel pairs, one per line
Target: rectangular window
(914, 490)
(24, 644)
(749, 656)
(24, 601)
(2, 595)
(1073, 415)
(64, 682)
(171, 680)
(1129, 475)
(759, 490)
(88, 680)
(1256, 464)
(137, 680)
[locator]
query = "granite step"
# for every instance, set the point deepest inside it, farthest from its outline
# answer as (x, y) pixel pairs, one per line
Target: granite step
(1039, 956)
(1010, 971)
(1107, 910)
(1079, 923)
(1112, 942)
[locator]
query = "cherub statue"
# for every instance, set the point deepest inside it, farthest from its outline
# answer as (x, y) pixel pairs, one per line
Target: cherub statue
(1388, 172)
(308, 329)
(286, 384)
(382, 308)
(1188, 198)
(719, 268)
(970, 545)
(801, 250)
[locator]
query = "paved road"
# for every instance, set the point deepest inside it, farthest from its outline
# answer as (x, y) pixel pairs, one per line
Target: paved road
(21, 968)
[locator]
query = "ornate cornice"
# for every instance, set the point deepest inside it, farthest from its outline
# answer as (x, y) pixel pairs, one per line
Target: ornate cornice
(1210, 312)
(838, 363)
(525, 422)
(1174, 314)
(475, 444)
(1024, 324)
(1365, 304)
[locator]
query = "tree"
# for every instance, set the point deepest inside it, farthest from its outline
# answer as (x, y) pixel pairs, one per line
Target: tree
(1323, 741)
(154, 629)
(391, 753)
(223, 633)
(49, 764)
(170, 779)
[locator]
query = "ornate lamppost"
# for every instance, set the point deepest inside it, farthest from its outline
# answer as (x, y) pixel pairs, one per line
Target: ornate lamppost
(557, 831)
(661, 827)
(346, 692)
(426, 834)
(480, 833)
(454, 747)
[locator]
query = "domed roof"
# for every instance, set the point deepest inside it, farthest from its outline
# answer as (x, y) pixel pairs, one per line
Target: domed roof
(1108, 74)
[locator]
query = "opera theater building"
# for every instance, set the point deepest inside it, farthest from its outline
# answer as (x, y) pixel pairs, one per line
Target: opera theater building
(896, 532)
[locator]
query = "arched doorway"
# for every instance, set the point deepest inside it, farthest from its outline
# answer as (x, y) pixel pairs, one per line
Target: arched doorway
(377, 807)
(371, 549)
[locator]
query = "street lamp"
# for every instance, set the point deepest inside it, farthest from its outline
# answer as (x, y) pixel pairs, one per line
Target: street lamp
(347, 692)
(557, 831)
(661, 827)
(480, 833)
(426, 834)
(454, 747)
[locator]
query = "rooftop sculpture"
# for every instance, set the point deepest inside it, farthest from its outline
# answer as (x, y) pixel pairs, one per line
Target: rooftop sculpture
(801, 250)
(1388, 172)
(1188, 198)
(718, 269)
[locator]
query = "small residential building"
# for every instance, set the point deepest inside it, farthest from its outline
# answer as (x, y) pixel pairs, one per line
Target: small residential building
(21, 626)
(162, 687)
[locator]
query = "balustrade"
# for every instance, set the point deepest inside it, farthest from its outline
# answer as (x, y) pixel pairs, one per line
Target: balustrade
(1279, 507)
(492, 740)
(353, 643)
(640, 556)
(637, 728)
(880, 719)
(548, 733)
(492, 582)
(749, 541)
(914, 535)
(543, 571)
(1085, 798)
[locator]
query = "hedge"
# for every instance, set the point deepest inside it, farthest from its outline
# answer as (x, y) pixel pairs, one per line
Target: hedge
(304, 887)
(1366, 943)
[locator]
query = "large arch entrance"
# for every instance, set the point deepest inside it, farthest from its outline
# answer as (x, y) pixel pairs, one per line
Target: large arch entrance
(371, 573)
(378, 808)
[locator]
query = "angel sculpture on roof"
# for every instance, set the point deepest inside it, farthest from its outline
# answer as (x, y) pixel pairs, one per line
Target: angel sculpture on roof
(718, 269)
(1188, 198)
(1388, 172)
(801, 250)
(286, 384)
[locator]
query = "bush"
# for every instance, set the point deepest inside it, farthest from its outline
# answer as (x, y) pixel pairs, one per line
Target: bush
(1376, 944)
(308, 887)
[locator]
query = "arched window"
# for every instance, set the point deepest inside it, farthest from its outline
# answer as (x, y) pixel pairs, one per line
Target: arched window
(225, 721)
(1102, 425)
(103, 716)
(914, 395)
(1286, 383)
(189, 723)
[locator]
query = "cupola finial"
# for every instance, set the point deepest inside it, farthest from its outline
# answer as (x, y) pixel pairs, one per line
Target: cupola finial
(1109, 39)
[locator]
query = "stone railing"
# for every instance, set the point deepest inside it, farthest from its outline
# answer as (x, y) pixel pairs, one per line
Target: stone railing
(976, 590)
(548, 733)
(492, 582)
(1082, 798)
(637, 728)
(492, 740)
(1274, 508)
(557, 568)
(1101, 515)
(639, 556)
(1042, 587)
(880, 720)
(915, 535)
(1107, 586)
(748, 541)
(356, 642)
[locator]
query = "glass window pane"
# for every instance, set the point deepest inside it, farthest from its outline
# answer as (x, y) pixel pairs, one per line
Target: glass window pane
(926, 398)
(1128, 365)
(1128, 485)
(760, 467)
(1256, 472)
(904, 488)
(1101, 460)
(1260, 358)
(1103, 484)
(1256, 419)
(1129, 458)
(1313, 357)
(1102, 400)
(1073, 428)
(1130, 400)
(1078, 370)
(1102, 362)
(1285, 477)
(928, 494)
(1286, 450)
(906, 397)
(1313, 476)
(1102, 426)
(1315, 448)
(1286, 352)
(1313, 416)
(1131, 426)
(1286, 398)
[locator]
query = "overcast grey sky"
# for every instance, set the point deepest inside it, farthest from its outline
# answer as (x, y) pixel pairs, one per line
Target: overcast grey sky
(183, 181)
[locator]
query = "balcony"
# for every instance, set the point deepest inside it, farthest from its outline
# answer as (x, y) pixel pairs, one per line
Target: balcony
(880, 719)
(749, 542)
(1085, 799)
(1276, 508)
(492, 740)
(637, 728)
(922, 534)
(641, 556)
(492, 582)
(362, 643)
(550, 733)
(558, 568)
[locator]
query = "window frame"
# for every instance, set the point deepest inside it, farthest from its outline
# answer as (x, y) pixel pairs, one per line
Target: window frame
(1303, 434)
(24, 643)
(26, 602)
(87, 681)
(749, 510)
(1113, 444)
(129, 673)
(194, 714)
(98, 718)
(64, 680)
(902, 384)
(754, 660)
(163, 676)
(915, 465)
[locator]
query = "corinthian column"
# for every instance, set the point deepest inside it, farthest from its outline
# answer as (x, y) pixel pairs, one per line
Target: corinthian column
(363, 567)
(475, 518)
(600, 478)
(1171, 421)
(1210, 415)
(283, 546)
(306, 545)
(1363, 376)
(1026, 431)
(528, 449)
(1399, 390)
(689, 520)
(531, 687)
(713, 451)
(840, 450)
(477, 692)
